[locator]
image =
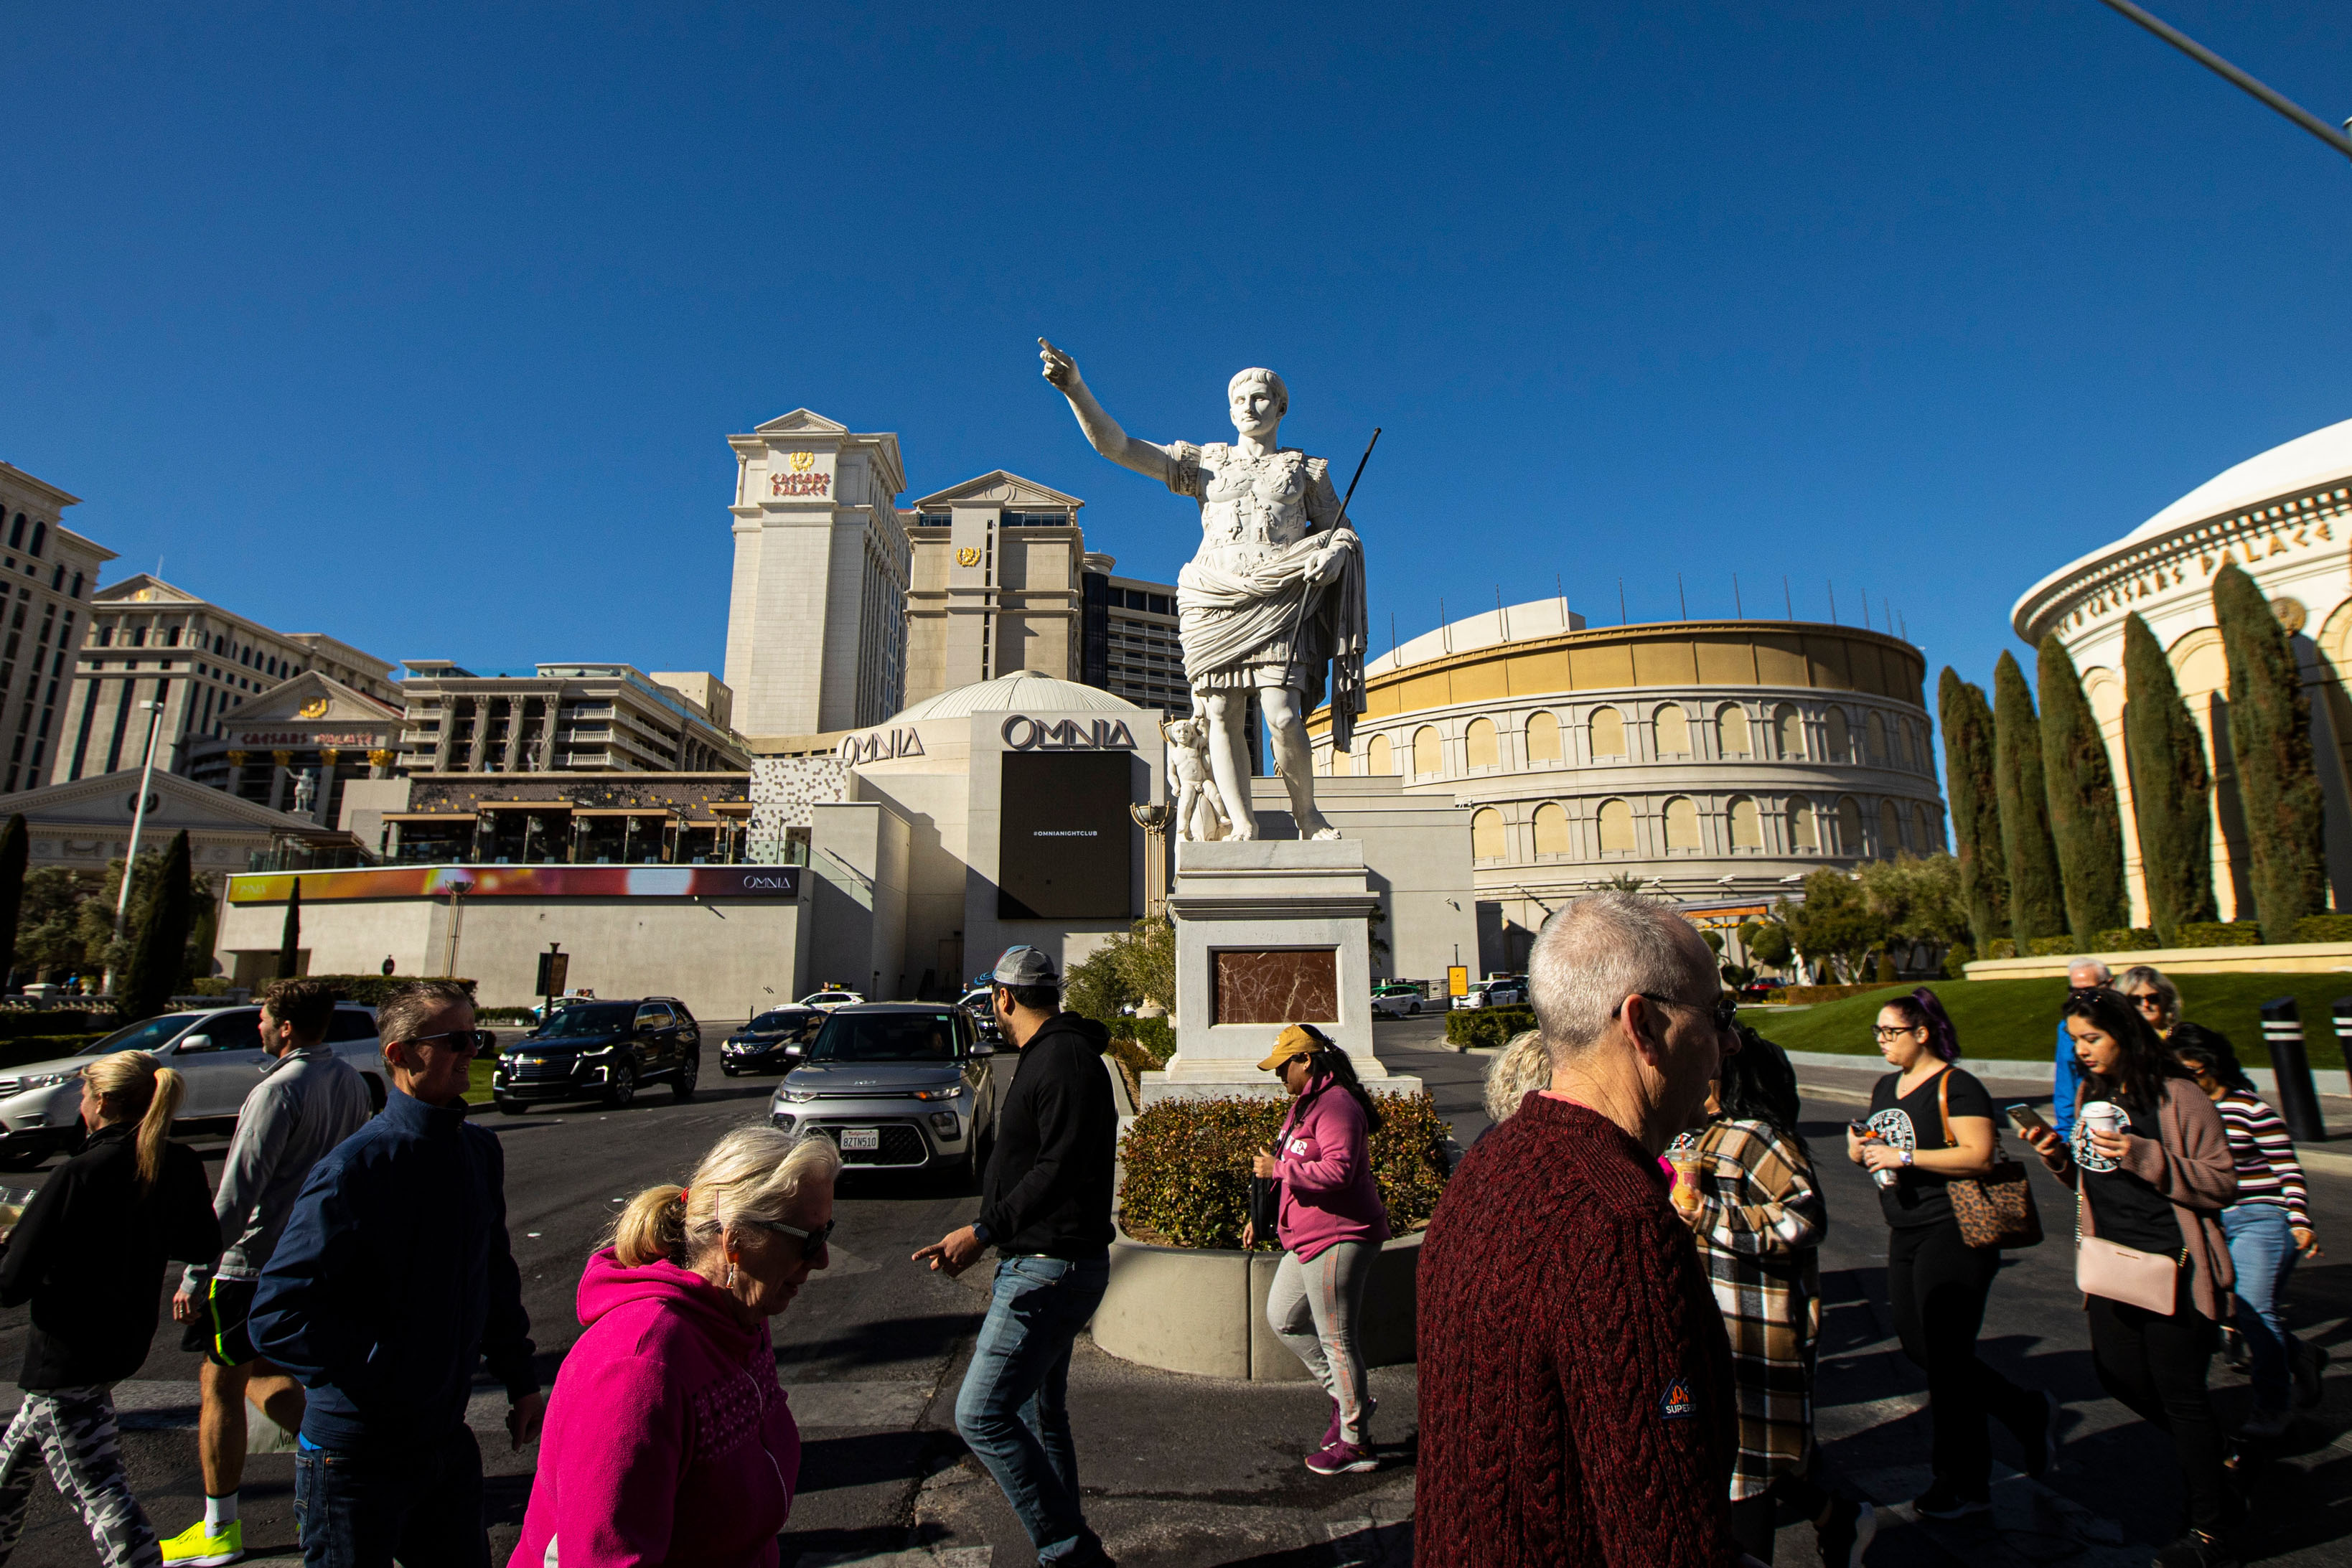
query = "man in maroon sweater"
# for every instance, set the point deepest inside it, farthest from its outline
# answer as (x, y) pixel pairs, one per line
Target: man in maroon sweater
(1576, 1392)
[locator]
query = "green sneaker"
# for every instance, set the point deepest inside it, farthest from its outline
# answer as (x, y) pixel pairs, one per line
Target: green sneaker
(199, 1548)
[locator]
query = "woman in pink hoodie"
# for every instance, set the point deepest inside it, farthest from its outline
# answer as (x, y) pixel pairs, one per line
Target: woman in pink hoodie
(1332, 1223)
(667, 1439)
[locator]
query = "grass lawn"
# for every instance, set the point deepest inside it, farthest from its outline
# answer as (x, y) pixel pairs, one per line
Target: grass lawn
(2017, 1020)
(477, 1082)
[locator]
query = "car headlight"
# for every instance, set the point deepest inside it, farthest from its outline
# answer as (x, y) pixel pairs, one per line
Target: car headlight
(954, 1093)
(797, 1096)
(40, 1080)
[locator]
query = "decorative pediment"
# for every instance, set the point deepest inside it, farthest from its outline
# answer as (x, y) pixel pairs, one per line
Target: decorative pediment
(105, 803)
(143, 588)
(1000, 489)
(801, 422)
(312, 697)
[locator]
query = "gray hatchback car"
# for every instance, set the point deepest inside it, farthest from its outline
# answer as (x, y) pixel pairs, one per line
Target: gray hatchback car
(897, 1086)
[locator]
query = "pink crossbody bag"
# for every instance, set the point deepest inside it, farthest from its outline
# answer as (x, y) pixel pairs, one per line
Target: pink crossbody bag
(2150, 1280)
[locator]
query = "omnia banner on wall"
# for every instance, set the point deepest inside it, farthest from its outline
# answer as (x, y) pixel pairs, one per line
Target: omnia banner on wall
(521, 882)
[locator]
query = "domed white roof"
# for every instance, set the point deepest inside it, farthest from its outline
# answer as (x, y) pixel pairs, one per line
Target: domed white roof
(1023, 691)
(2303, 463)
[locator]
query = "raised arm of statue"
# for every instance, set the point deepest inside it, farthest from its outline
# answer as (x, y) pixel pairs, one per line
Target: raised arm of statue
(1102, 430)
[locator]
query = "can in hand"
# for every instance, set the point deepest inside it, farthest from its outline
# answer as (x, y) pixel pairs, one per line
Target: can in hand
(1867, 1134)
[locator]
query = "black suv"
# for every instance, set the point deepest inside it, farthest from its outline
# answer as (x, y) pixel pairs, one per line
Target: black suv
(600, 1051)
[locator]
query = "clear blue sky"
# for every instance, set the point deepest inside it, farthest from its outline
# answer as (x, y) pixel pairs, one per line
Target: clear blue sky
(424, 325)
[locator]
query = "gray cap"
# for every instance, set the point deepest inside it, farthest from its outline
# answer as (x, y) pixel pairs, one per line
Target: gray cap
(1025, 967)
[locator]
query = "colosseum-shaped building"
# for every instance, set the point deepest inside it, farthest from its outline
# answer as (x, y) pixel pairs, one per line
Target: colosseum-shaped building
(1717, 760)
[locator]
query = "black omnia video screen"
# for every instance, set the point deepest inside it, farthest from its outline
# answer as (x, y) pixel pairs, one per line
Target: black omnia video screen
(1063, 847)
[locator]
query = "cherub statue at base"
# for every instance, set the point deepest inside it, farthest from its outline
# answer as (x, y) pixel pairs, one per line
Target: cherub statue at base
(1200, 804)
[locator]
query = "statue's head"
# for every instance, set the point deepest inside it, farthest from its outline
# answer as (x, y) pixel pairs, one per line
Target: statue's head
(1258, 400)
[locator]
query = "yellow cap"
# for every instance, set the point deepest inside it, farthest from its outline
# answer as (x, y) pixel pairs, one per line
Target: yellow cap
(1291, 1042)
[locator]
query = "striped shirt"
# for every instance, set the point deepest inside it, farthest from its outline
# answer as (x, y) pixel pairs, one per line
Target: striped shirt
(2268, 1171)
(1759, 1226)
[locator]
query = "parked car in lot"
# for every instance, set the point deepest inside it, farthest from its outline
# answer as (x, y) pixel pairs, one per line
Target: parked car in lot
(773, 1042)
(829, 999)
(897, 1085)
(1397, 1001)
(1756, 990)
(218, 1052)
(600, 1051)
(1494, 994)
(981, 1003)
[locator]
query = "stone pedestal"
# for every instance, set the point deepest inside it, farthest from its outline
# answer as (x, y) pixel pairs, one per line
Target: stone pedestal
(1268, 933)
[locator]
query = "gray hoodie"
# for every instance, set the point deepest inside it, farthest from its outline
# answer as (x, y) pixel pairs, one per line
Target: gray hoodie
(308, 1101)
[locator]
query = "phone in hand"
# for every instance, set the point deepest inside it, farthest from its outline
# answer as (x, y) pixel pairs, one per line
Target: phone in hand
(2027, 1118)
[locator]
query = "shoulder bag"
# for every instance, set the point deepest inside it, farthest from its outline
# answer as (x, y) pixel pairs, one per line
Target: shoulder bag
(1995, 1209)
(2149, 1281)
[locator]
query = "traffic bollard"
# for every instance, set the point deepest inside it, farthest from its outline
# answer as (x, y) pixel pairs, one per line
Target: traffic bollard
(2298, 1101)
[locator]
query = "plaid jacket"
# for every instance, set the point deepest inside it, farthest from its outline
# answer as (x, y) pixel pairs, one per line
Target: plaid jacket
(1759, 1226)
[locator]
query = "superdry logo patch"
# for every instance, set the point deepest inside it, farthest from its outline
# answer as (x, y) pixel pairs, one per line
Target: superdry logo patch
(1676, 1404)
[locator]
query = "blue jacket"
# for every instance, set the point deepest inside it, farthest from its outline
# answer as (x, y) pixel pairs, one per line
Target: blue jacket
(394, 1277)
(2062, 1089)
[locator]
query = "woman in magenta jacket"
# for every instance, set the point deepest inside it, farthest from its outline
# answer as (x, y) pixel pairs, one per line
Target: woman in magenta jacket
(668, 1438)
(1331, 1225)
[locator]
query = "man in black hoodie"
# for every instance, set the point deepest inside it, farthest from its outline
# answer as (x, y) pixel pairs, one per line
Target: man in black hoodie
(1045, 1206)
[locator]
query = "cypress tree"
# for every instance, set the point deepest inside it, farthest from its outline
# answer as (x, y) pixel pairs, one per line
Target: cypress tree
(2036, 907)
(290, 943)
(15, 847)
(2086, 818)
(2172, 788)
(2269, 737)
(1969, 783)
(159, 947)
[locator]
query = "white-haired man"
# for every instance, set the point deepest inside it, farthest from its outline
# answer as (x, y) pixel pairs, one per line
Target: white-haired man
(2082, 974)
(1576, 1398)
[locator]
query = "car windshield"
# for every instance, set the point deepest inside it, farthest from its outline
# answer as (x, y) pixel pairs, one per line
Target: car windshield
(587, 1021)
(144, 1036)
(780, 1023)
(886, 1037)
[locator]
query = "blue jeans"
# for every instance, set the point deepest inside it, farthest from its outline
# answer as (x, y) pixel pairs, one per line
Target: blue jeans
(2261, 1251)
(1014, 1407)
(420, 1505)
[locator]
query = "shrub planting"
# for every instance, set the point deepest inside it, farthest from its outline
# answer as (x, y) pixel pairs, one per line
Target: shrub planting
(1487, 1026)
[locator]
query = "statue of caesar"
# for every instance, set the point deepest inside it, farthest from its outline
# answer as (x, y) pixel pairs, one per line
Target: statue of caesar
(1273, 603)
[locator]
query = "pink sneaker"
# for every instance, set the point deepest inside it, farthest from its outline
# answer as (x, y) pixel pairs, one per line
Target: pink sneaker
(1331, 1433)
(1341, 1457)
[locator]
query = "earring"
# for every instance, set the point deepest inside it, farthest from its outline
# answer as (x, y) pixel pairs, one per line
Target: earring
(731, 1276)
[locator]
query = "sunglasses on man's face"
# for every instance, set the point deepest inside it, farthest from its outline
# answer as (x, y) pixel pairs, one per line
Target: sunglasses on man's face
(466, 1041)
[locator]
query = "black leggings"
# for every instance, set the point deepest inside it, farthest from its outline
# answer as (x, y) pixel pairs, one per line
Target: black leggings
(2156, 1367)
(1938, 1283)
(1755, 1520)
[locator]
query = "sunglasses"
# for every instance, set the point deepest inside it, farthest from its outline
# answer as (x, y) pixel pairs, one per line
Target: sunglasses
(1890, 1031)
(1724, 1011)
(464, 1041)
(811, 1242)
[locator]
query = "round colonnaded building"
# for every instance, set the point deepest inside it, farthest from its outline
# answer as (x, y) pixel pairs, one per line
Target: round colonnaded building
(1720, 761)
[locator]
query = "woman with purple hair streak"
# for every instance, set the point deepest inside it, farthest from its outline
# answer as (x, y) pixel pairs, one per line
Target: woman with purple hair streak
(1931, 1122)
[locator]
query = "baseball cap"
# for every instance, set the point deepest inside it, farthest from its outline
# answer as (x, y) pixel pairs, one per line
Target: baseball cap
(1290, 1042)
(1023, 966)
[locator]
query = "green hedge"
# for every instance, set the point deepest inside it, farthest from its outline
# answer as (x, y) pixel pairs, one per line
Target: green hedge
(1151, 1037)
(27, 1048)
(1188, 1164)
(2051, 948)
(19, 1023)
(505, 1015)
(371, 991)
(1487, 1026)
(1811, 994)
(2220, 933)
(2136, 939)
(2002, 947)
(2323, 928)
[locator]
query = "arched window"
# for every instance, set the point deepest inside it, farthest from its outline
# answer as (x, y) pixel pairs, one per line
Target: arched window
(40, 533)
(1747, 824)
(1849, 825)
(1487, 834)
(1890, 830)
(76, 587)
(1616, 828)
(1482, 744)
(1425, 752)
(1841, 737)
(1673, 729)
(1912, 757)
(1543, 738)
(17, 533)
(1928, 832)
(1877, 733)
(1681, 823)
(1607, 732)
(1803, 833)
(1323, 760)
(1551, 829)
(1378, 760)
(1731, 731)
(1792, 726)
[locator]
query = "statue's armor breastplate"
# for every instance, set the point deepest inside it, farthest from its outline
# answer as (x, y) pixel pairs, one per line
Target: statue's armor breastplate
(1251, 506)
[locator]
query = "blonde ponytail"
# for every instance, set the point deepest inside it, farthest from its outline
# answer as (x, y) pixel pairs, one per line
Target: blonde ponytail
(653, 1227)
(130, 1083)
(758, 1172)
(1522, 1065)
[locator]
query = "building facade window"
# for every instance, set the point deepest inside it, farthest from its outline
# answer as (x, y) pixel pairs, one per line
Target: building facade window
(1608, 733)
(1551, 829)
(1427, 751)
(1890, 830)
(1380, 759)
(1616, 828)
(1480, 746)
(1543, 738)
(1486, 835)
(1849, 821)
(1731, 736)
(1791, 727)
(1747, 824)
(1876, 731)
(1841, 737)
(1804, 832)
(1681, 823)
(1671, 727)
(1930, 831)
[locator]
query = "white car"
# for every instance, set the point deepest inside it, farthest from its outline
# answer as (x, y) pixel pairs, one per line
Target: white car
(1397, 1001)
(218, 1052)
(828, 1001)
(1493, 994)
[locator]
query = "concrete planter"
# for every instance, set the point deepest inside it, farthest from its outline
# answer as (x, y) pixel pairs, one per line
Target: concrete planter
(1184, 1309)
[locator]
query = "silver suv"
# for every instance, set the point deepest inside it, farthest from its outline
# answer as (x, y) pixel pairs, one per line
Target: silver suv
(217, 1051)
(897, 1085)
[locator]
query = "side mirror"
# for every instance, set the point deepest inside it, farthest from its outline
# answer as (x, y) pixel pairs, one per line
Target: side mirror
(983, 1048)
(189, 1042)
(486, 1042)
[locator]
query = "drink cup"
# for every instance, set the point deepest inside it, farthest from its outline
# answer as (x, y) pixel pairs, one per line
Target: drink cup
(2100, 1116)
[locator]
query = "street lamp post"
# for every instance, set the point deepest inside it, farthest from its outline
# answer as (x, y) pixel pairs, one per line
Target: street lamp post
(2236, 77)
(138, 825)
(456, 892)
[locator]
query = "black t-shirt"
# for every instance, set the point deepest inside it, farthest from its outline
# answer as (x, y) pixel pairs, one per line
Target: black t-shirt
(2127, 1211)
(1915, 1121)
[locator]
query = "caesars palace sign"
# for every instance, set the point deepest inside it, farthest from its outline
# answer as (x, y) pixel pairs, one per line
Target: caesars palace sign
(1021, 733)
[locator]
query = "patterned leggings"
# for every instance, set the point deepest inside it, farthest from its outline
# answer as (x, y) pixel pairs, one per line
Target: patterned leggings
(74, 1429)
